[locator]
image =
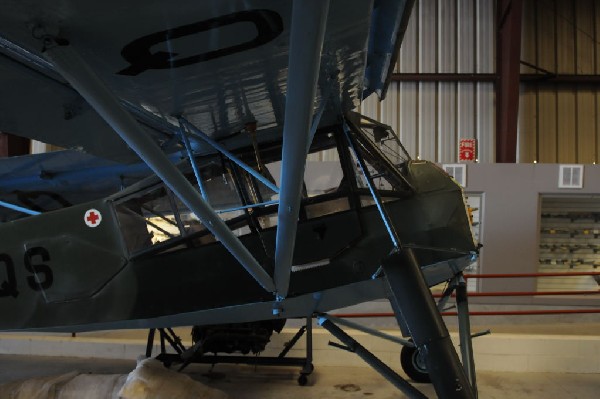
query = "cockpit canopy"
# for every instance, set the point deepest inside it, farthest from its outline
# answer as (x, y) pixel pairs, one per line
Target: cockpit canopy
(153, 219)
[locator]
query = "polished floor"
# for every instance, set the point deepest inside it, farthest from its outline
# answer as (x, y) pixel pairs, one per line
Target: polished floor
(247, 382)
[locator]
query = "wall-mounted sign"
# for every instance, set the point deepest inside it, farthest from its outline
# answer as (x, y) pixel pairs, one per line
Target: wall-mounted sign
(467, 150)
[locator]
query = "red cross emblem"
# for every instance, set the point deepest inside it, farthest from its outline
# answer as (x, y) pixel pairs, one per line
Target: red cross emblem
(92, 218)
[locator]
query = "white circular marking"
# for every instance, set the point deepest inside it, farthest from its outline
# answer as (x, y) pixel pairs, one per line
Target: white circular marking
(92, 218)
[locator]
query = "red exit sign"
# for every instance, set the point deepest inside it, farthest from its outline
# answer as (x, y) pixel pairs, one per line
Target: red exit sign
(467, 150)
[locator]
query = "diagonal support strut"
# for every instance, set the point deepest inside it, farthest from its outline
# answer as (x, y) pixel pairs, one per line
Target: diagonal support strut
(306, 41)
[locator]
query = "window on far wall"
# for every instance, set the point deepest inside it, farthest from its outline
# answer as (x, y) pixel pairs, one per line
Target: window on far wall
(570, 176)
(458, 172)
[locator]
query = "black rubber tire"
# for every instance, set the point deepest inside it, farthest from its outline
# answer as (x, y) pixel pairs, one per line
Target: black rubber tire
(302, 380)
(413, 366)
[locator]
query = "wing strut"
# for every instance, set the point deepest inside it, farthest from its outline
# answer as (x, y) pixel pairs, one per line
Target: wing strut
(188, 148)
(306, 42)
(74, 69)
(197, 133)
(18, 208)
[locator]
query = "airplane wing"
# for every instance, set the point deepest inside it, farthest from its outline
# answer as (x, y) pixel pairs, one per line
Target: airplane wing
(221, 64)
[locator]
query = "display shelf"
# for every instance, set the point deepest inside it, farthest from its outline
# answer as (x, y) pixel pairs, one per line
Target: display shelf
(569, 240)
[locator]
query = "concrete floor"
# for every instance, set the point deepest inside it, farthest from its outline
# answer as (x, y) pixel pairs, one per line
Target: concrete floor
(246, 382)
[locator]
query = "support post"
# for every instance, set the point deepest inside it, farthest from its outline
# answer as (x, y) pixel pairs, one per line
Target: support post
(306, 42)
(308, 366)
(428, 331)
(464, 331)
(150, 342)
(76, 71)
(508, 48)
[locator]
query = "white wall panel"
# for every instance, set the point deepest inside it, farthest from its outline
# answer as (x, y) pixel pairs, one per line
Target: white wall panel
(427, 40)
(370, 107)
(447, 30)
(485, 28)
(409, 51)
(466, 119)
(446, 128)
(466, 36)
(485, 125)
(408, 93)
(427, 121)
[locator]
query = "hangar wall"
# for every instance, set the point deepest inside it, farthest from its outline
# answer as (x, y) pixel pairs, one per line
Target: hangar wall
(431, 117)
(560, 122)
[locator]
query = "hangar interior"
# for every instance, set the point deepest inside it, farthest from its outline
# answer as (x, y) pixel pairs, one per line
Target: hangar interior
(521, 78)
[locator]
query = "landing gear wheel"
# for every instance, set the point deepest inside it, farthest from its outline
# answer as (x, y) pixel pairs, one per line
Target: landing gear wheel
(413, 364)
(306, 371)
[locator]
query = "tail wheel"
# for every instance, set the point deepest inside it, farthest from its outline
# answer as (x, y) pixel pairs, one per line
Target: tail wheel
(414, 364)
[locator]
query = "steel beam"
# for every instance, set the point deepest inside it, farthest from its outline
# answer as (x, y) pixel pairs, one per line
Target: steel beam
(559, 79)
(306, 42)
(77, 72)
(508, 45)
(529, 79)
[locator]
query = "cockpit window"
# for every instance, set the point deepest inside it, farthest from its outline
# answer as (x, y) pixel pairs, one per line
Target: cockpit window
(323, 173)
(148, 218)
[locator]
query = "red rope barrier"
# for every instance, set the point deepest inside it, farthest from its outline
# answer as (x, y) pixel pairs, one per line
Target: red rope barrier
(481, 313)
(506, 294)
(526, 293)
(526, 312)
(524, 275)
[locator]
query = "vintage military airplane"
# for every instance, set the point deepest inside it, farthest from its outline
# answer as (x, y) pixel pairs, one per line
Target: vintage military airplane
(237, 230)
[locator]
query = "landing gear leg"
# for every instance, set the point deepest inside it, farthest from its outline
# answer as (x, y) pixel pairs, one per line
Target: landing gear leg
(417, 307)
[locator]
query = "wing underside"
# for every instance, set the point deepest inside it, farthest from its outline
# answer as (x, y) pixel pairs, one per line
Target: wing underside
(220, 64)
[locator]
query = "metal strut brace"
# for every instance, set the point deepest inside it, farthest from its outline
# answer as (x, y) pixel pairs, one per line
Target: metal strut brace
(309, 18)
(200, 134)
(363, 167)
(371, 359)
(19, 208)
(188, 148)
(79, 74)
(370, 331)
(428, 331)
